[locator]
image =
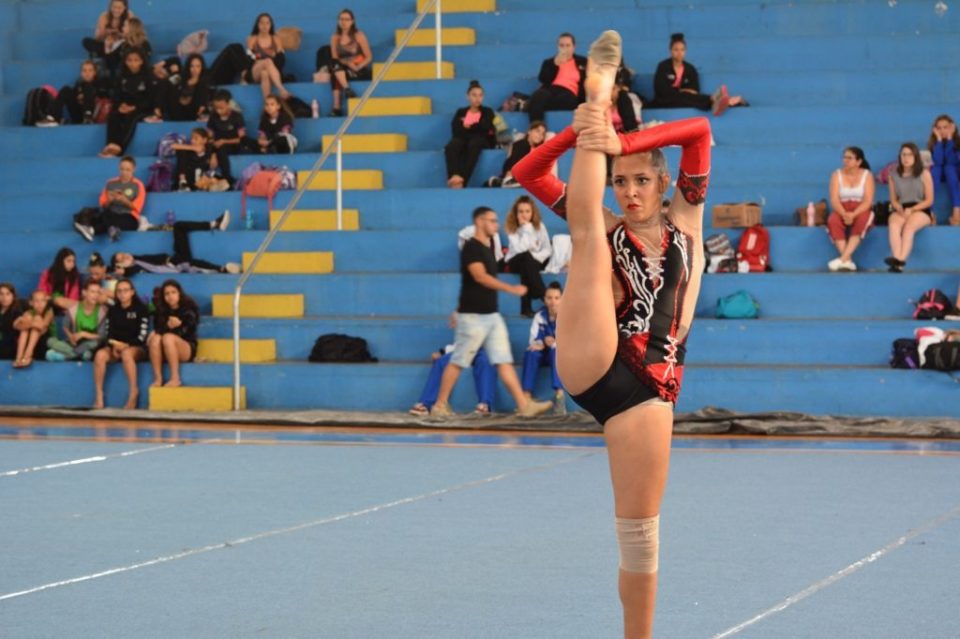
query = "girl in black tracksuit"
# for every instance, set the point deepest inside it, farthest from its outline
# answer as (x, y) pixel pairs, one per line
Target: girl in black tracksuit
(187, 99)
(276, 127)
(132, 100)
(127, 326)
(473, 131)
(80, 100)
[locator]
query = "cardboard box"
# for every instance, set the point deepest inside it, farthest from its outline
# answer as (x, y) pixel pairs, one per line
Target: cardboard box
(739, 215)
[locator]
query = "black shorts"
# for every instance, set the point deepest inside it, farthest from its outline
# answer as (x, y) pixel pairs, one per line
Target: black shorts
(617, 391)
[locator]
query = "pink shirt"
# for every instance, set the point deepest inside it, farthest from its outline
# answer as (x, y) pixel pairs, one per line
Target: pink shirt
(72, 291)
(471, 118)
(568, 77)
(676, 83)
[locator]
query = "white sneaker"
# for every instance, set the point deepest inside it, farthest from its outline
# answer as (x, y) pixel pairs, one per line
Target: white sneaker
(441, 410)
(834, 264)
(48, 121)
(848, 266)
(232, 268)
(223, 221)
(84, 230)
(533, 408)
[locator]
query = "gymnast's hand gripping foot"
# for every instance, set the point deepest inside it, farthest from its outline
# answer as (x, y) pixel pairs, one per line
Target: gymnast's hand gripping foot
(629, 302)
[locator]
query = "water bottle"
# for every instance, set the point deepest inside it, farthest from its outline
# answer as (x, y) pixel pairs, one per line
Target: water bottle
(315, 109)
(248, 220)
(171, 218)
(811, 214)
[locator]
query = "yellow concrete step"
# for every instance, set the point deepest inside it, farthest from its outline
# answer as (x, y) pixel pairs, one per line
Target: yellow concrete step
(370, 142)
(462, 6)
(408, 105)
(284, 305)
(305, 262)
(252, 351)
(353, 180)
(317, 220)
(195, 398)
(415, 70)
(450, 37)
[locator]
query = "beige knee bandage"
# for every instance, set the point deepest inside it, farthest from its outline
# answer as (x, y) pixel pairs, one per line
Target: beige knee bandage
(639, 541)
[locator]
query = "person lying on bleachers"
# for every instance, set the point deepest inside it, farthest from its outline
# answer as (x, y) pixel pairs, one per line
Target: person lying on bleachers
(268, 56)
(61, 280)
(78, 103)
(196, 164)
(10, 310)
(911, 205)
(528, 249)
(275, 134)
(133, 99)
(851, 198)
(36, 327)
(108, 34)
(561, 80)
(83, 327)
(127, 325)
(121, 203)
(350, 59)
(944, 146)
(182, 261)
(676, 84)
(472, 132)
(174, 336)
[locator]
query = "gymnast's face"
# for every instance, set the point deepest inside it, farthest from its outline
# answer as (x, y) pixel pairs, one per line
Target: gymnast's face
(638, 186)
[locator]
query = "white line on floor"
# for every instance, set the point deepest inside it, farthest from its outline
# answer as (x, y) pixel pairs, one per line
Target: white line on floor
(309, 524)
(837, 576)
(85, 460)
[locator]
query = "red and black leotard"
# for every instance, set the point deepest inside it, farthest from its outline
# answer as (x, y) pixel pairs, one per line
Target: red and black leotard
(654, 287)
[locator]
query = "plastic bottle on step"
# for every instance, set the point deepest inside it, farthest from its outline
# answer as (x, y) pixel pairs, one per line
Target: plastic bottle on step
(171, 218)
(811, 214)
(315, 109)
(248, 219)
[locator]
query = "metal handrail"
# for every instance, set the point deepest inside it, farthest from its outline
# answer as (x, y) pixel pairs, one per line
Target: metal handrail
(336, 144)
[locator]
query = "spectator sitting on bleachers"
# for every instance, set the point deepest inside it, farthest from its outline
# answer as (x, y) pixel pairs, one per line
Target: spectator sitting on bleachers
(97, 272)
(541, 350)
(351, 59)
(622, 115)
(174, 336)
(484, 381)
(561, 80)
(196, 163)
(78, 103)
(10, 310)
(851, 199)
(676, 84)
(473, 130)
(536, 135)
(61, 280)
(275, 133)
(133, 99)
(944, 145)
(36, 327)
(182, 261)
(83, 327)
(134, 39)
(121, 203)
(229, 131)
(268, 56)
(528, 249)
(127, 324)
(108, 33)
(911, 202)
(186, 98)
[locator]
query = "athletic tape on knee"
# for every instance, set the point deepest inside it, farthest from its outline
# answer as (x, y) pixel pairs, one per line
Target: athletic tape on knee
(639, 541)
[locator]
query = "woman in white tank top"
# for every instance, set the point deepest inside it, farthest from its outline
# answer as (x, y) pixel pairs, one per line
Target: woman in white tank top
(851, 198)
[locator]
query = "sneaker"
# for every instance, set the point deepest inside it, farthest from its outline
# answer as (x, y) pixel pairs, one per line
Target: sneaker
(560, 403)
(482, 409)
(849, 265)
(441, 410)
(419, 410)
(113, 233)
(349, 92)
(533, 408)
(834, 264)
(84, 230)
(47, 122)
(336, 113)
(55, 356)
(222, 222)
(232, 268)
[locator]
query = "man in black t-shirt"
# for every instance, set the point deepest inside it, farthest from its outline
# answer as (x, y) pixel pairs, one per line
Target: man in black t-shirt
(478, 321)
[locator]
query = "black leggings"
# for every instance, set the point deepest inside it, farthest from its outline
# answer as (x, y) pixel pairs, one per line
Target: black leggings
(551, 98)
(105, 219)
(528, 268)
(462, 155)
(684, 101)
(188, 163)
(231, 62)
(121, 127)
(182, 253)
(68, 99)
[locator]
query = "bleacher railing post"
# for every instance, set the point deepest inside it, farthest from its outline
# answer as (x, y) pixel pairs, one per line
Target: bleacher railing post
(236, 349)
(339, 184)
(439, 44)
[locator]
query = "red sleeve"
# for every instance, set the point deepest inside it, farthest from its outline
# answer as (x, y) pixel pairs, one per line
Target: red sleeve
(137, 205)
(534, 171)
(693, 135)
(45, 284)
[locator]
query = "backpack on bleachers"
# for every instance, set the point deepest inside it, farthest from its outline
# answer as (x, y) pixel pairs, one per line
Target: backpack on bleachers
(335, 347)
(266, 183)
(719, 254)
(754, 248)
(160, 177)
(165, 145)
(933, 305)
(905, 353)
(739, 305)
(41, 103)
(942, 356)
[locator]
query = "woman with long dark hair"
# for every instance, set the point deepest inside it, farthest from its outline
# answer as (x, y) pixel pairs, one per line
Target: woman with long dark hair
(132, 101)
(127, 324)
(851, 197)
(473, 131)
(61, 280)
(265, 48)
(350, 58)
(188, 99)
(174, 335)
(10, 310)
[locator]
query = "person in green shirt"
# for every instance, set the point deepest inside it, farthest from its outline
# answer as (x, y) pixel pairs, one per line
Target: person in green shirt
(83, 327)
